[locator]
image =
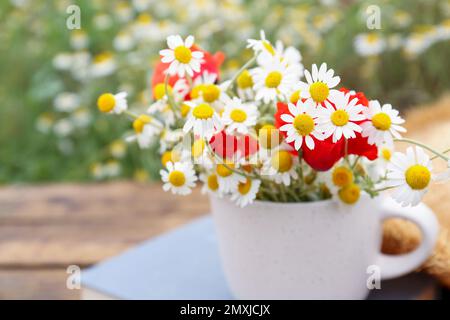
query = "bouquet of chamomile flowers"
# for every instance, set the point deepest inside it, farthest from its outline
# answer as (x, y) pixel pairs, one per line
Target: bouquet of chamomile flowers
(274, 131)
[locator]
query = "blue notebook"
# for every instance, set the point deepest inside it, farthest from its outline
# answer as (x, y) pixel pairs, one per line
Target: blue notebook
(185, 264)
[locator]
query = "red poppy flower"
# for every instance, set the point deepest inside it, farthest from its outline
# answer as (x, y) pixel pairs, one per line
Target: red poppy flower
(227, 146)
(224, 145)
(211, 63)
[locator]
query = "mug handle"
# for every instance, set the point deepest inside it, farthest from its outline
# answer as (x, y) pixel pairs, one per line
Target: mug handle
(392, 266)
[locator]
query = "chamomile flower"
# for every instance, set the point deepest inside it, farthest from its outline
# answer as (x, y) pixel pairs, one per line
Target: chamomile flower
(281, 167)
(123, 41)
(210, 183)
(244, 83)
(202, 120)
(261, 45)
(301, 124)
(245, 192)
(112, 103)
(178, 92)
(350, 193)
(384, 123)
(227, 178)
(205, 89)
(199, 154)
(385, 152)
(146, 128)
(169, 138)
(320, 84)
(369, 44)
(143, 28)
(180, 56)
(269, 137)
(339, 121)
(179, 177)
(66, 102)
(273, 81)
(410, 173)
(238, 116)
(103, 65)
(291, 56)
(78, 39)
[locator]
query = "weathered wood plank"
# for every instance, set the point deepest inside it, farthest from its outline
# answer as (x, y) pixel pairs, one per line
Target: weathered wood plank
(64, 224)
(35, 284)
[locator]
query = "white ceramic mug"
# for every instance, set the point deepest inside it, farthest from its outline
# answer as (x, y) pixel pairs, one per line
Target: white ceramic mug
(315, 250)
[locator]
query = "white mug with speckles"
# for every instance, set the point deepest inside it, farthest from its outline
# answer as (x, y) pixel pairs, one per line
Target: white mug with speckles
(314, 250)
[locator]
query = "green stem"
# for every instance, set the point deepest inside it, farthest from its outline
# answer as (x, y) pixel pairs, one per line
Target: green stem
(130, 114)
(189, 80)
(221, 161)
(443, 152)
(383, 189)
(242, 69)
(169, 96)
(438, 154)
(355, 163)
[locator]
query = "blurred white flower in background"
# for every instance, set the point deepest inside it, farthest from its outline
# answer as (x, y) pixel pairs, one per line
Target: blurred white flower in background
(123, 41)
(63, 128)
(66, 102)
(369, 44)
(79, 39)
(103, 65)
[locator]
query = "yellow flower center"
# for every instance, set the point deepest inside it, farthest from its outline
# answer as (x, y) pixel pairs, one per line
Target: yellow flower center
(197, 148)
(203, 111)
(372, 38)
(183, 54)
(244, 80)
(195, 93)
(185, 110)
(381, 121)
(295, 96)
(238, 115)
(304, 124)
(177, 178)
(282, 161)
(102, 57)
(268, 47)
(350, 193)
(210, 92)
(171, 156)
(339, 118)
(418, 177)
(269, 136)
(319, 91)
(342, 176)
(386, 154)
(106, 102)
(159, 91)
(244, 187)
(140, 122)
(223, 171)
(212, 182)
(144, 18)
(273, 79)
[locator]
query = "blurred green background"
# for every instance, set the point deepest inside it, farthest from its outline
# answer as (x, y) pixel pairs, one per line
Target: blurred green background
(51, 76)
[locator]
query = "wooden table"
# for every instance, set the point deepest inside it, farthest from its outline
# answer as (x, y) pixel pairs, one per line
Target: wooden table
(44, 229)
